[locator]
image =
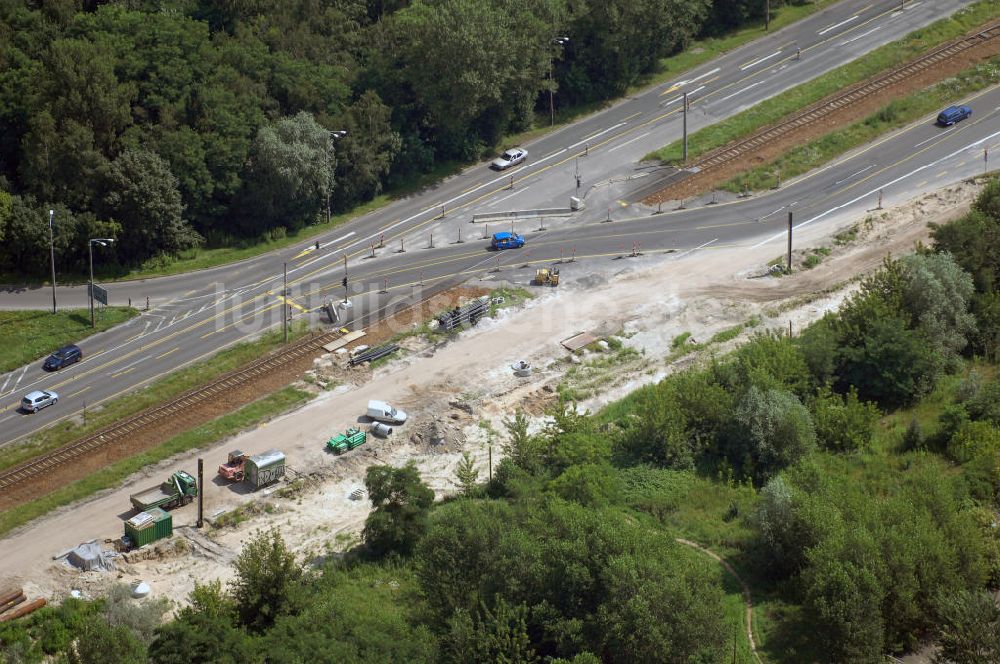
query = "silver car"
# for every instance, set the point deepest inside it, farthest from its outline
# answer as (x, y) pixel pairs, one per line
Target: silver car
(511, 157)
(35, 401)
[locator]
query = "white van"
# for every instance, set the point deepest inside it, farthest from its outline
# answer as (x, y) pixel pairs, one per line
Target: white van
(383, 412)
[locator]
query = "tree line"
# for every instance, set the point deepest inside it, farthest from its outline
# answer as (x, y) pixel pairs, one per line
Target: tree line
(174, 124)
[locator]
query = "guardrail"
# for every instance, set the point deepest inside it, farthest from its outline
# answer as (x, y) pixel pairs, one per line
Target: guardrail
(523, 214)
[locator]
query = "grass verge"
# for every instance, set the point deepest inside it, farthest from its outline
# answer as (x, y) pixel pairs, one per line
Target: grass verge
(208, 433)
(790, 101)
(153, 394)
(26, 336)
(894, 115)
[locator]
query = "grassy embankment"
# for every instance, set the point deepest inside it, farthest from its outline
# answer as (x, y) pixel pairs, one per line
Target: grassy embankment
(791, 101)
(26, 336)
(894, 115)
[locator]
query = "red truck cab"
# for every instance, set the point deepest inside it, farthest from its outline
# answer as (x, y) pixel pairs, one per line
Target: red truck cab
(233, 468)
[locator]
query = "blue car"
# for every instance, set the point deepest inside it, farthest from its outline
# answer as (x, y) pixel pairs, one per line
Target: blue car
(63, 357)
(507, 240)
(953, 114)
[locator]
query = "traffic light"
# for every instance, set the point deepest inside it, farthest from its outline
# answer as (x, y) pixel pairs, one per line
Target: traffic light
(343, 282)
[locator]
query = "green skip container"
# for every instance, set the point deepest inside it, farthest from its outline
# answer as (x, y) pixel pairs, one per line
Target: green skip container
(149, 526)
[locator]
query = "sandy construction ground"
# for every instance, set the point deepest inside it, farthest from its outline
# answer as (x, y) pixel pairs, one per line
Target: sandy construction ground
(453, 389)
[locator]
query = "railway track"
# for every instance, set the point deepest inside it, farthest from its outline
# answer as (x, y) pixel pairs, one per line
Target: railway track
(129, 426)
(849, 95)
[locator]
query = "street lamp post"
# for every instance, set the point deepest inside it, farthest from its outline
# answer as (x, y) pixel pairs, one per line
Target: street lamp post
(552, 104)
(52, 255)
(334, 135)
(103, 241)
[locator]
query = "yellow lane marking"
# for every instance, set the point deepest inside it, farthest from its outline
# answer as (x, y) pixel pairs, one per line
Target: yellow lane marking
(921, 184)
(304, 252)
(122, 373)
(941, 174)
(172, 350)
(864, 9)
(672, 88)
(81, 391)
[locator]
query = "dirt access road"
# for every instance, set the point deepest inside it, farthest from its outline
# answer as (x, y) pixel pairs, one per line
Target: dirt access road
(455, 389)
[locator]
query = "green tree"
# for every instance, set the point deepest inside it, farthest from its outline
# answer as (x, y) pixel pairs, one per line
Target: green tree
(521, 447)
(446, 55)
(97, 640)
(968, 628)
(772, 359)
(499, 634)
(267, 580)
(616, 42)
(818, 344)
(367, 151)
(400, 501)
(936, 295)
(655, 613)
(770, 430)
(143, 197)
(357, 614)
(207, 630)
(974, 240)
(594, 484)
(844, 423)
(466, 474)
(141, 619)
(291, 173)
(844, 599)
(891, 364)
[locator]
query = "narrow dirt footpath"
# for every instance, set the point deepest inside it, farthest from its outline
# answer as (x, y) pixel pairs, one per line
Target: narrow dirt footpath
(744, 589)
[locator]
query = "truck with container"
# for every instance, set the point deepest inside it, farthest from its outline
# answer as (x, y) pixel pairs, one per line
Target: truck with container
(180, 489)
(256, 470)
(346, 441)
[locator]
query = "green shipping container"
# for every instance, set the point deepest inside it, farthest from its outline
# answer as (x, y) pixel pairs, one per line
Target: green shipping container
(149, 526)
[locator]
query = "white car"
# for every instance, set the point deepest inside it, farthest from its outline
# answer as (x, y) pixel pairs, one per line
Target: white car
(511, 157)
(35, 401)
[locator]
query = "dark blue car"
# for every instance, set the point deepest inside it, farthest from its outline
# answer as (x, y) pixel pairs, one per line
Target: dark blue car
(953, 114)
(507, 240)
(63, 357)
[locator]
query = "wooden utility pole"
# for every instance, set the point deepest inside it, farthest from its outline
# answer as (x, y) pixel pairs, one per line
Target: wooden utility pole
(685, 102)
(201, 493)
(789, 241)
(284, 303)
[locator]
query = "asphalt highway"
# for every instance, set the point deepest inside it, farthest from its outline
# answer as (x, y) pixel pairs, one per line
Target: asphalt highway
(194, 315)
